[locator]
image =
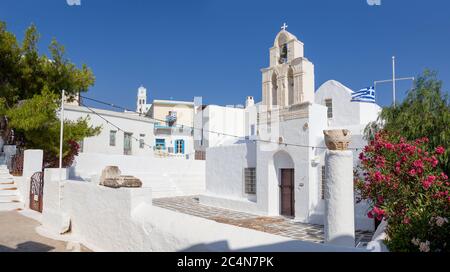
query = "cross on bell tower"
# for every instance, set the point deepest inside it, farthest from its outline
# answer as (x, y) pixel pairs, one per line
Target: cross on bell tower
(284, 26)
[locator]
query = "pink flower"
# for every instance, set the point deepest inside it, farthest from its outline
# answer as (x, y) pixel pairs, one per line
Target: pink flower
(412, 172)
(389, 146)
(406, 220)
(380, 213)
(440, 150)
(361, 156)
(418, 164)
(378, 176)
(428, 182)
(380, 199)
(434, 161)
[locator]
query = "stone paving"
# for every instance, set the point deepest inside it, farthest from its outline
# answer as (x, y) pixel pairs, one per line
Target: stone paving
(18, 234)
(275, 225)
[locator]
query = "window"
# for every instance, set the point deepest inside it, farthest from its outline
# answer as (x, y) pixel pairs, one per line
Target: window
(250, 180)
(160, 144)
(112, 137)
(322, 188)
(329, 105)
(141, 140)
(127, 143)
(179, 147)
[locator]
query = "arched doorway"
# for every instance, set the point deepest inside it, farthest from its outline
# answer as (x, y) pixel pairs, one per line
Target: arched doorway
(284, 167)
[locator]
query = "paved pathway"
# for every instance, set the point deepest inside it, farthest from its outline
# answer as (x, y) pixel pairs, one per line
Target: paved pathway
(17, 234)
(276, 225)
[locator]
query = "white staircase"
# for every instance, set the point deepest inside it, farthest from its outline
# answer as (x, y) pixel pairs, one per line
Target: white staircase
(171, 184)
(9, 194)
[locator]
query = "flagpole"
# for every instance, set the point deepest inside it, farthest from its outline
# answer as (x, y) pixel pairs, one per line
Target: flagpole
(393, 80)
(61, 132)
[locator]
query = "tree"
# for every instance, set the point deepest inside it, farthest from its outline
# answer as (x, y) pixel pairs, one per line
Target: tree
(404, 184)
(24, 73)
(425, 112)
(30, 93)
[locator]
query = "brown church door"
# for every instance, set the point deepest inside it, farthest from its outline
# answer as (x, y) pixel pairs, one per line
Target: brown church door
(287, 192)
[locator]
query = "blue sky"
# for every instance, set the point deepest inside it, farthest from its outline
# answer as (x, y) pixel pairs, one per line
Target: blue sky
(215, 49)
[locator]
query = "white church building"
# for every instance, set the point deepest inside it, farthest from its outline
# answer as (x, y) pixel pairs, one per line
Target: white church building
(279, 170)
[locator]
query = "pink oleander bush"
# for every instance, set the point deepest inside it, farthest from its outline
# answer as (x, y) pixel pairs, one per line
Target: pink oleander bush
(405, 186)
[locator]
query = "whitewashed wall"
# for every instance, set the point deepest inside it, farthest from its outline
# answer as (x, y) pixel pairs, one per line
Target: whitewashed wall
(225, 165)
(106, 219)
(129, 122)
(218, 123)
(225, 176)
(351, 115)
(166, 176)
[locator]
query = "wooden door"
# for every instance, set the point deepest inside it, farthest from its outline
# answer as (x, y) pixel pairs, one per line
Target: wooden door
(287, 192)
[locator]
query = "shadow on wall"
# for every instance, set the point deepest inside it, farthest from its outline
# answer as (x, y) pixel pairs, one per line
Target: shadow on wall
(289, 246)
(27, 247)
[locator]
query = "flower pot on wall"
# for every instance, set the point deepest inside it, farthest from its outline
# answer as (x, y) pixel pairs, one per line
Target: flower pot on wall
(337, 139)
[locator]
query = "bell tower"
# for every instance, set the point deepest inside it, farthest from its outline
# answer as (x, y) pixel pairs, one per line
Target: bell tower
(289, 79)
(141, 100)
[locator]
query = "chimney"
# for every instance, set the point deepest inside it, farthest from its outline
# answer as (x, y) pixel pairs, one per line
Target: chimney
(249, 101)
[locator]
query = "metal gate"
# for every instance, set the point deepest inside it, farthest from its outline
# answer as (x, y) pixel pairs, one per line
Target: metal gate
(37, 191)
(17, 164)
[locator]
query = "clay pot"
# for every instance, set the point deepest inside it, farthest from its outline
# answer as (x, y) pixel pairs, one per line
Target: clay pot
(337, 139)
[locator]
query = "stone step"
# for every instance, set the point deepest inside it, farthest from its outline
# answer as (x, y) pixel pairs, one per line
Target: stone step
(11, 206)
(6, 180)
(7, 185)
(9, 192)
(9, 198)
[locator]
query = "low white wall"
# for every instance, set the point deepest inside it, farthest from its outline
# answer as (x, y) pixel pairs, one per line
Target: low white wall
(166, 176)
(106, 219)
(53, 218)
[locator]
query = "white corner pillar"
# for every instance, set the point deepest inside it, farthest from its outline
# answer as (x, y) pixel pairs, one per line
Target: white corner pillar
(339, 226)
(9, 151)
(54, 219)
(32, 162)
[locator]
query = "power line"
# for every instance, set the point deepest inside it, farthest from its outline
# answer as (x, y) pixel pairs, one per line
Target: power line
(201, 129)
(120, 129)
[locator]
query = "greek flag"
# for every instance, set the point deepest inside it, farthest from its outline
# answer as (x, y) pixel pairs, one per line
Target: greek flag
(364, 95)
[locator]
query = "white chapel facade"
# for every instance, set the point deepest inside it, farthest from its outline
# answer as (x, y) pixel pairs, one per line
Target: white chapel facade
(279, 171)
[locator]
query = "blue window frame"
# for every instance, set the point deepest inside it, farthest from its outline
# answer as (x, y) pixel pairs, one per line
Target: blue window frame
(160, 144)
(179, 147)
